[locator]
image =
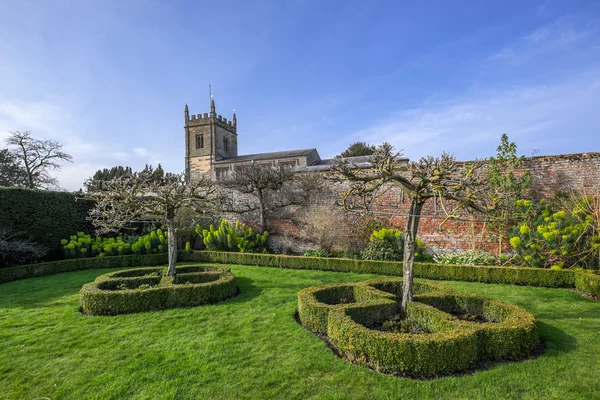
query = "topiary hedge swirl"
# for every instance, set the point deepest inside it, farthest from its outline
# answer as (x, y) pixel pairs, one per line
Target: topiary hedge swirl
(347, 314)
(145, 289)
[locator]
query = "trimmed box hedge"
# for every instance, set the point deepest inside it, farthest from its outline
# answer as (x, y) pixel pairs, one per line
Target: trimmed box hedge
(586, 282)
(146, 289)
(346, 313)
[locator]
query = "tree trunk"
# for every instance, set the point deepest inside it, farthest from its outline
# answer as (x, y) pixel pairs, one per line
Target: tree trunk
(409, 254)
(263, 220)
(172, 245)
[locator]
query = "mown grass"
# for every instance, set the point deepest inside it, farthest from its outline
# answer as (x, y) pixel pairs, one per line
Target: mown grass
(251, 347)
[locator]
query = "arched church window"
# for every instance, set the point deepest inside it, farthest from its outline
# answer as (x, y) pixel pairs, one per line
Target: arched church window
(226, 145)
(199, 141)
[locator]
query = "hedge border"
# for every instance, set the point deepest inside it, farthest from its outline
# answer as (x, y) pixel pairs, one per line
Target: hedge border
(452, 346)
(586, 282)
(164, 294)
(522, 276)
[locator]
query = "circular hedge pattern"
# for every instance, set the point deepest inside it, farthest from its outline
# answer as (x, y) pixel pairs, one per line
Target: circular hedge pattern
(457, 331)
(144, 289)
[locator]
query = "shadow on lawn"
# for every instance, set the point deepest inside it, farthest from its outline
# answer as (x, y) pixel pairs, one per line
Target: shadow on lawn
(248, 290)
(556, 340)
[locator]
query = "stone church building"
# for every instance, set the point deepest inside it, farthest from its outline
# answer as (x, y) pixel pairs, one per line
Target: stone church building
(211, 147)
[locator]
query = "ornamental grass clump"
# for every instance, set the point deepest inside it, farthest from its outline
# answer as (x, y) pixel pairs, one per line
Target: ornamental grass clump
(233, 237)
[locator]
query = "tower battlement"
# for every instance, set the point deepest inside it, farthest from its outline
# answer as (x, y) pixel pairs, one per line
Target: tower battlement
(210, 118)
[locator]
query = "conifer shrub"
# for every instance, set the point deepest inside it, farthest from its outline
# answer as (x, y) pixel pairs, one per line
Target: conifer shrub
(442, 338)
(146, 289)
(233, 237)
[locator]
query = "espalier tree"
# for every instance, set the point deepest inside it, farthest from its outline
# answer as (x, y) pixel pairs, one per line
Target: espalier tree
(267, 190)
(507, 182)
(137, 196)
(429, 177)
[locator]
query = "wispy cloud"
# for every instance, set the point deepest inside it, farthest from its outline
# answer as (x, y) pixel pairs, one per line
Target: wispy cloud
(558, 35)
(550, 115)
(538, 117)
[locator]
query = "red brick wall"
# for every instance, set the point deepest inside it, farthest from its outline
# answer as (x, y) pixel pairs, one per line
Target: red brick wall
(549, 174)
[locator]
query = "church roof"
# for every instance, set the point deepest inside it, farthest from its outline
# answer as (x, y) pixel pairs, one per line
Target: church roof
(268, 156)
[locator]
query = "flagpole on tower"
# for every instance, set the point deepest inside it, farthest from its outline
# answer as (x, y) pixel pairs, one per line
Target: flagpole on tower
(209, 94)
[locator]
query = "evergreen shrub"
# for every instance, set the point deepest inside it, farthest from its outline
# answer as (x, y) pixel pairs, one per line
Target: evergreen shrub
(447, 344)
(44, 216)
(148, 289)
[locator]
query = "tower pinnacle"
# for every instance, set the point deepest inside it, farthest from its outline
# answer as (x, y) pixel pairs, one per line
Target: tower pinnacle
(212, 107)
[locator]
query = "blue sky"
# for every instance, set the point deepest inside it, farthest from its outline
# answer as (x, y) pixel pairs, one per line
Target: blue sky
(110, 79)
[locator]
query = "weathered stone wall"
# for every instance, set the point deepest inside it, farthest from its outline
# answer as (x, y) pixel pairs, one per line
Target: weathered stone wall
(549, 175)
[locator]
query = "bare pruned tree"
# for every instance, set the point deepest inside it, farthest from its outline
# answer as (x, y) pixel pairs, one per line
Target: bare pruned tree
(11, 171)
(420, 180)
(135, 196)
(38, 158)
(267, 190)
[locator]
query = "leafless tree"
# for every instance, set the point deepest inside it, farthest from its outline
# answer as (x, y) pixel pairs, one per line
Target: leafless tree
(420, 180)
(136, 196)
(11, 171)
(37, 157)
(267, 190)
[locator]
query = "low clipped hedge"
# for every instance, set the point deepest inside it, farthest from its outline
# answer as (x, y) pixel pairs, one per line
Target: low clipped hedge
(486, 274)
(57, 267)
(146, 289)
(586, 282)
(449, 346)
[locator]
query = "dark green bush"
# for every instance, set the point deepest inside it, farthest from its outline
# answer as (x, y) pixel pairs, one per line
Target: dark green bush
(15, 250)
(43, 215)
(112, 294)
(447, 344)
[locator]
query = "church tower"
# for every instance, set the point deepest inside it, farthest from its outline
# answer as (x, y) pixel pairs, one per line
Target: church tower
(208, 138)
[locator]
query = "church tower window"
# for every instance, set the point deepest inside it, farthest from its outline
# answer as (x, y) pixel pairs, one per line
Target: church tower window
(199, 141)
(226, 145)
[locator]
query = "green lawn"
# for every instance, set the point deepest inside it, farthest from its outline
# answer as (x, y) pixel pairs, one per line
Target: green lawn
(251, 347)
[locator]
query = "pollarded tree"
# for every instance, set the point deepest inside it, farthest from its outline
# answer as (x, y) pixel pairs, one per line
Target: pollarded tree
(266, 190)
(420, 180)
(136, 196)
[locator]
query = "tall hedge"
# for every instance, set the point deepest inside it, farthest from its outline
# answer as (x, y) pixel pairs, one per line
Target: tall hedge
(46, 216)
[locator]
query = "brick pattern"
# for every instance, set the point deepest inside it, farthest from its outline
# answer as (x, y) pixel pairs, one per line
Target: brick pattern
(549, 175)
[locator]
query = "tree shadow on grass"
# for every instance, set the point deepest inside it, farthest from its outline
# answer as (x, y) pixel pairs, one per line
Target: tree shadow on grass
(556, 340)
(247, 290)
